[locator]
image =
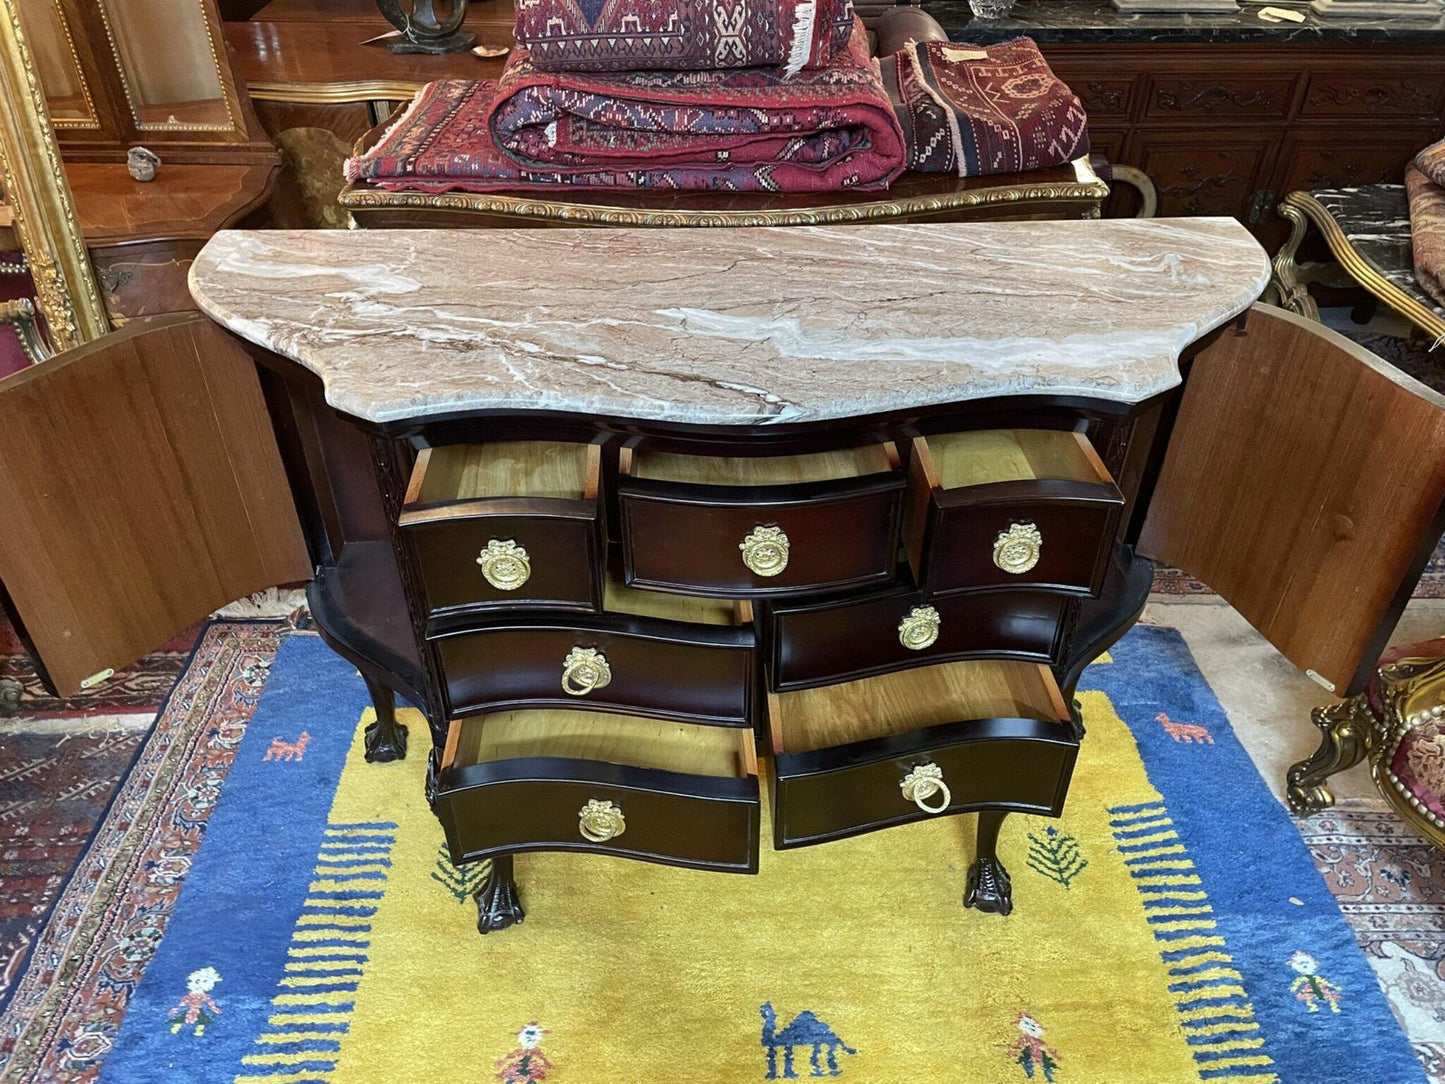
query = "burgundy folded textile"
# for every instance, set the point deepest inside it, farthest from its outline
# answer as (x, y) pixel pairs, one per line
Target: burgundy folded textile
(981, 109)
(1427, 229)
(745, 130)
(646, 35)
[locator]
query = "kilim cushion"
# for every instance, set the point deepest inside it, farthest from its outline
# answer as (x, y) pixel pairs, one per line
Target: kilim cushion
(639, 35)
(976, 110)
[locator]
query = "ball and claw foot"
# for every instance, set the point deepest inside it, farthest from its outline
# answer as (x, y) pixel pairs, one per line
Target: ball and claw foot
(1343, 729)
(498, 903)
(989, 888)
(385, 741)
(9, 697)
(385, 738)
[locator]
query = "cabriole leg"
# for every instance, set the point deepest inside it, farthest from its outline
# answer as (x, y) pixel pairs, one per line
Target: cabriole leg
(988, 882)
(1343, 729)
(498, 903)
(385, 738)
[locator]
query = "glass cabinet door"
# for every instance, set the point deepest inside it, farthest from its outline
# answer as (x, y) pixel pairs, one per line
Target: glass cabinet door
(57, 65)
(171, 64)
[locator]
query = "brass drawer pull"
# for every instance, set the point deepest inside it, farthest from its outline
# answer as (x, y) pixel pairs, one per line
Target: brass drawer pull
(600, 821)
(584, 670)
(505, 564)
(922, 783)
(1017, 549)
(765, 551)
(920, 628)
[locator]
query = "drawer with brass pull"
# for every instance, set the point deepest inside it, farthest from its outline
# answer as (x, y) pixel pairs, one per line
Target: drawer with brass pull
(506, 524)
(1004, 508)
(814, 641)
(662, 655)
(942, 739)
(569, 780)
(756, 527)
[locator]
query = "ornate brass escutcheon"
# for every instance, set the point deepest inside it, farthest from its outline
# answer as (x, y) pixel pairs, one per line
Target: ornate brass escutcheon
(922, 783)
(919, 629)
(765, 551)
(600, 821)
(584, 669)
(505, 564)
(1017, 549)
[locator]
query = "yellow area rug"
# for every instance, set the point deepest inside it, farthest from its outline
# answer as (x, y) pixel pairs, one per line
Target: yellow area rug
(1168, 928)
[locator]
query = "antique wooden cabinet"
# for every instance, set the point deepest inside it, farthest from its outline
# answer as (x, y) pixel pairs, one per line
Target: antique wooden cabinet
(815, 496)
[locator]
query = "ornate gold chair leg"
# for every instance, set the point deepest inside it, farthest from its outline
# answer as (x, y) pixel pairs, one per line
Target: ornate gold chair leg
(1344, 730)
(1293, 295)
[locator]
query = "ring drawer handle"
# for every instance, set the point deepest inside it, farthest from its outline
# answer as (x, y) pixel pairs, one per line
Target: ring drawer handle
(584, 670)
(505, 564)
(765, 551)
(920, 628)
(1017, 549)
(922, 783)
(600, 821)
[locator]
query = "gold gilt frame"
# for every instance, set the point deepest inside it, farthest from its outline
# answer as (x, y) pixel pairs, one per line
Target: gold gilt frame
(33, 177)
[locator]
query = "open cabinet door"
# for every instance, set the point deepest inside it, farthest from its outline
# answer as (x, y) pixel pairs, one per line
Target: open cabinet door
(140, 489)
(1304, 482)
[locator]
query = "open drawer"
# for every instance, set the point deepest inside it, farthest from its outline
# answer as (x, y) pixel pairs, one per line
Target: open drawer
(942, 739)
(506, 524)
(772, 525)
(667, 656)
(567, 780)
(1003, 508)
(816, 641)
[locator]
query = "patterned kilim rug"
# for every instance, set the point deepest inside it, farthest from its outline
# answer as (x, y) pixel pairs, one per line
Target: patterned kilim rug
(1170, 927)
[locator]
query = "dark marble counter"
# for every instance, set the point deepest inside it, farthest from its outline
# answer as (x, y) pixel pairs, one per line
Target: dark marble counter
(1069, 21)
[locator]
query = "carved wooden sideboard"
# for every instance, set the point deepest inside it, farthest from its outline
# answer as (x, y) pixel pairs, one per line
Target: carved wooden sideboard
(861, 501)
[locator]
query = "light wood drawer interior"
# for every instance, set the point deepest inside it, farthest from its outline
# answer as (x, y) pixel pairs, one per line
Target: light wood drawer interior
(892, 704)
(619, 598)
(456, 473)
(761, 470)
(628, 740)
(958, 460)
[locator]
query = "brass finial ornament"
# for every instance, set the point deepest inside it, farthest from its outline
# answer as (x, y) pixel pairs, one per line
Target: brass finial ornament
(919, 628)
(585, 669)
(600, 821)
(922, 783)
(1017, 549)
(505, 564)
(765, 551)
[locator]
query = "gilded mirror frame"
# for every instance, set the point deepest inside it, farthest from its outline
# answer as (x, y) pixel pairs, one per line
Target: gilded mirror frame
(33, 177)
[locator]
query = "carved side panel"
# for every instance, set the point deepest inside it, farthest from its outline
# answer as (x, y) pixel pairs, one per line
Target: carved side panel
(1219, 178)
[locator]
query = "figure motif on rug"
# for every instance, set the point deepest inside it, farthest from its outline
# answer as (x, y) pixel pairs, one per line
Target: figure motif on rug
(1032, 1053)
(805, 1030)
(1311, 987)
(281, 749)
(527, 1064)
(1188, 733)
(195, 1008)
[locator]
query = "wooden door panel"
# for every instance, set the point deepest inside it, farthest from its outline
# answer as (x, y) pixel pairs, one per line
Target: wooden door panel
(141, 489)
(1197, 177)
(1304, 482)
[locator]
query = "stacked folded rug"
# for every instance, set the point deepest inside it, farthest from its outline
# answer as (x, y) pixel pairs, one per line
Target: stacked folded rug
(766, 96)
(1425, 184)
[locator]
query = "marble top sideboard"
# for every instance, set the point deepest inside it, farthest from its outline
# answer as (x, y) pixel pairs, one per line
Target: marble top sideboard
(732, 327)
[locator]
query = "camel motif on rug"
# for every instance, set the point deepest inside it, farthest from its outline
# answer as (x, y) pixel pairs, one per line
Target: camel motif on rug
(805, 1030)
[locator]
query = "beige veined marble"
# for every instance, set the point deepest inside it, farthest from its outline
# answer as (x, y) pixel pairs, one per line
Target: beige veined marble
(731, 326)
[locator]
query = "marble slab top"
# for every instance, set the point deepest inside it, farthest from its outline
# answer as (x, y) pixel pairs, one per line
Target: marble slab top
(731, 326)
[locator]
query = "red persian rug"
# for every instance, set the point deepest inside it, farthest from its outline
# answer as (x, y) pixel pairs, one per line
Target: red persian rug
(633, 35)
(67, 987)
(745, 130)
